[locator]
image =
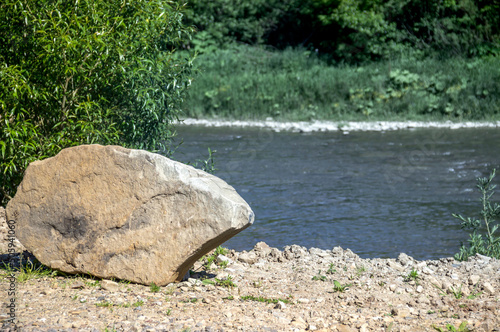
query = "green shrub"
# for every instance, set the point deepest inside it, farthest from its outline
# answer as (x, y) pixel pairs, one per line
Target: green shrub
(82, 72)
(489, 245)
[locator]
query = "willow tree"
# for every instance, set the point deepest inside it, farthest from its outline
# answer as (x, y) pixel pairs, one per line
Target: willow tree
(87, 71)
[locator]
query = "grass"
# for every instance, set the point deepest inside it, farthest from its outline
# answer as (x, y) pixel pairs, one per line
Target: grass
(154, 288)
(253, 83)
(27, 271)
(263, 299)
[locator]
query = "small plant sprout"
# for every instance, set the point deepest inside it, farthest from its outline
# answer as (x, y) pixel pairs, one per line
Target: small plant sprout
(138, 303)
(154, 288)
(331, 269)
(319, 276)
(360, 270)
(338, 287)
(412, 276)
(457, 292)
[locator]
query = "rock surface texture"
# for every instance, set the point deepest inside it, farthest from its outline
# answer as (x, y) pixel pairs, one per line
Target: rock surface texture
(128, 214)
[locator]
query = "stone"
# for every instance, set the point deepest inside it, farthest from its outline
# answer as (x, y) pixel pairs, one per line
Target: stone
(473, 279)
(404, 259)
(126, 214)
(488, 288)
(247, 257)
(110, 285)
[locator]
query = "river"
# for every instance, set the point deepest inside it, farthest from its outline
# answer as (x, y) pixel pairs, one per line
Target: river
(377, 193)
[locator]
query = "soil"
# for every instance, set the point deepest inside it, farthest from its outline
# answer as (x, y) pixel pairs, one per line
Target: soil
(266, 289)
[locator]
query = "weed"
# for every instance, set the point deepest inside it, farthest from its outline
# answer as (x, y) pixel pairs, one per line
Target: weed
(449, 327)
(430, 312)
(208, 282)
(360, 270)
(193, 300)
(230, 298)
(490, 213)
(104, 304)
(138, 303)
(263, 299)
(457, 293)
(412, 276)
(168, 312)
(331, 269)
(110, 329)
(257, 284)
(74, 297)
(209, 259)
(154, 288)
(228, 282)
(474, 294)
(338, 287)
(93, 283)
(319, 276)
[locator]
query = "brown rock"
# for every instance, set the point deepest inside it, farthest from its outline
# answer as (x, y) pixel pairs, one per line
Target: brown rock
(127, 214)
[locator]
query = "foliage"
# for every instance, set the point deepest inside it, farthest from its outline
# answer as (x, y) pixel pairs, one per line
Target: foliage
(263, 299)
(208, 165)
(319, 277)
(449, 327)
(412, 276)
(154, 288)
(27, 270)
(212, 258)
(251, 82)
(338, 287)
(227, 282)
(351, 30)
(223, 22)
(489, 245)
(82, 72)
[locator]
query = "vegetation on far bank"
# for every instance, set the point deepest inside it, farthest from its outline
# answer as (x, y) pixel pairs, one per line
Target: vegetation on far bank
(246, 82)
(345, 59)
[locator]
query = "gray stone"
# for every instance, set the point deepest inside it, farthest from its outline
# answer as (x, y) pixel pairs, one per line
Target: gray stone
(110, 285)
(473, 279)
(247, 257)
(404, 259)
(127, 214)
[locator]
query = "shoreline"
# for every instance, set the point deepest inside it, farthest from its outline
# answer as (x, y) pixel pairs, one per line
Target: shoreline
(344, 126)
(267, 289)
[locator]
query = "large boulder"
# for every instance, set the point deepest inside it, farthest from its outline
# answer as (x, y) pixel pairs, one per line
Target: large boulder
(129, 214)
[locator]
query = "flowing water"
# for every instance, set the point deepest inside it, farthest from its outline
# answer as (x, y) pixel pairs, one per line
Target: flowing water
(376, 193)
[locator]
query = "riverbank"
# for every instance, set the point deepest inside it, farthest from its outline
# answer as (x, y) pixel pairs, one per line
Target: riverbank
(267, 289)
(344, 126)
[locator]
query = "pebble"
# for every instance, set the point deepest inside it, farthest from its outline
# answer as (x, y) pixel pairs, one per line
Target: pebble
(366, 305)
